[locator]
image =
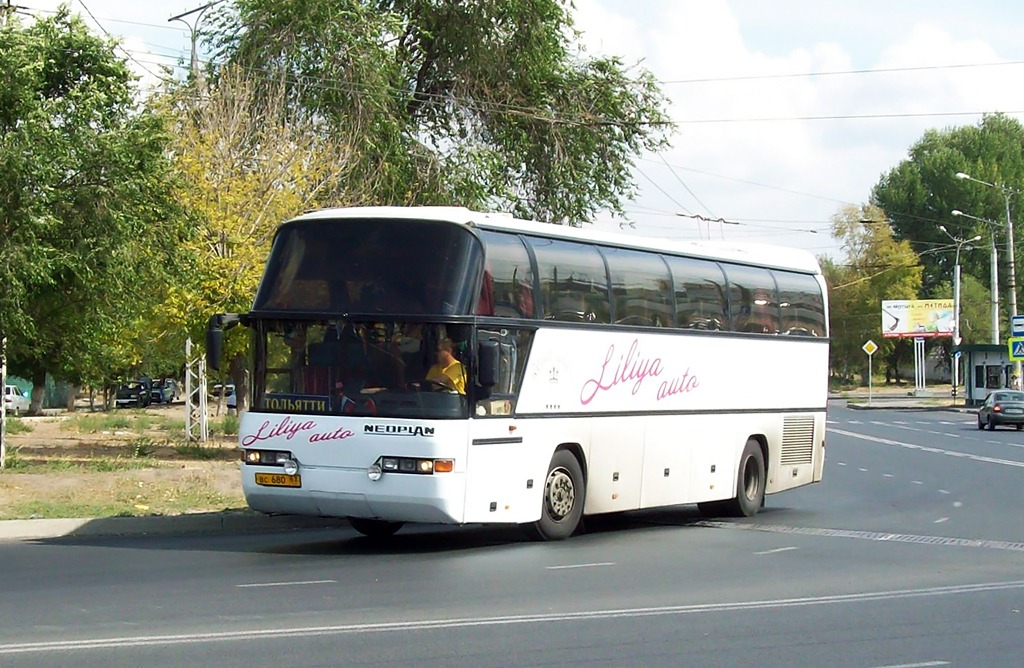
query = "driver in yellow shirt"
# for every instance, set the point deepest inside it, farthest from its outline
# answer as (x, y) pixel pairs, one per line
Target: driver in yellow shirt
(448, 371)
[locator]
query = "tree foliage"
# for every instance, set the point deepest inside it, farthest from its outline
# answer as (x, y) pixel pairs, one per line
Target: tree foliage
(483, 103)
(245, 161)
(86, 227)
(878, 267)
(920, 193)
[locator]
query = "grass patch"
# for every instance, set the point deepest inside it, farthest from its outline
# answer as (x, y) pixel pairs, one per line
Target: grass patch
(123, 496)
(201, 453)
(18, 426)
(229, 425)
(19, 464)
(94, 423)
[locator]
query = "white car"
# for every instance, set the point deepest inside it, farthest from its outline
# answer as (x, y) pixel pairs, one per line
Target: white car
(15, 401)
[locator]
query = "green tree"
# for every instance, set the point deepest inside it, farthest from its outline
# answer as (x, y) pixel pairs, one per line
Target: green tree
(919, 194)
(878, 267)
(87, 228)
(485, 104)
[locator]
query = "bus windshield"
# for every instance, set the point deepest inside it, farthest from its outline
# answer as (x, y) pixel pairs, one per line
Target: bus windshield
(384, 368)
(357, 266)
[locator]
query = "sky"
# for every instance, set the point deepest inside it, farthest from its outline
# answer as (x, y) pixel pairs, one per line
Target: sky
(786, 110)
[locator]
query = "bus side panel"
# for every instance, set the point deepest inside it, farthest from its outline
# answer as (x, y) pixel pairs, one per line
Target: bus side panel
(615, 463)
(506, 479)
(670, 444)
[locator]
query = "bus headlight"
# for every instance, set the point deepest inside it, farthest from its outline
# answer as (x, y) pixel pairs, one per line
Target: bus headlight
(413, 465)
(374, 472)
(291, 467)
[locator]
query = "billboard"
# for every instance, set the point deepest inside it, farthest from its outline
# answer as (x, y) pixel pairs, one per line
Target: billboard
(913, 318)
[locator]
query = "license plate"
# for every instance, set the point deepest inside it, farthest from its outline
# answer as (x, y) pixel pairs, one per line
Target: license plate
(1013, 411)
(278, 480)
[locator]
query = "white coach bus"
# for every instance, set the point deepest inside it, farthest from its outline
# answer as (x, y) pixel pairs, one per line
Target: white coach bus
(577, 372)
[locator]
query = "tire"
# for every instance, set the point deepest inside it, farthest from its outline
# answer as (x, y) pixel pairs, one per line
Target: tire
(991, 424)
(564, 493)
(1019, 426)
(750, 482)
(375, 528)
(981, 425)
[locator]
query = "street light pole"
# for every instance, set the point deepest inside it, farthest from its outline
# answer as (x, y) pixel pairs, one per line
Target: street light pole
(192, 28)
(994, 272)
(956, 304)
(1011, 279)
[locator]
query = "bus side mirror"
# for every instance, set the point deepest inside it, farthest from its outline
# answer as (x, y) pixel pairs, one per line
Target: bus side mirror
(215, 336)
(214, 342)
(487, 364)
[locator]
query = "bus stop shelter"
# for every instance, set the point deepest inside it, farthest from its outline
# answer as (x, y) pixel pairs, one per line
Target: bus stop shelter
(986, 367)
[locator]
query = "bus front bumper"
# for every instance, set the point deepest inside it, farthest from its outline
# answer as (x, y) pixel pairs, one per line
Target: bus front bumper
(335, 492)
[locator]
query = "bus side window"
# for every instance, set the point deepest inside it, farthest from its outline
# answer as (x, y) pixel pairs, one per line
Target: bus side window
(573, 281)
(700, 298)
(640, 288)
(801, 303)
(508, 278)
(753, 303)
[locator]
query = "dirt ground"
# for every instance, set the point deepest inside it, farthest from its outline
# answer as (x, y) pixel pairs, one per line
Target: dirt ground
(54, 471)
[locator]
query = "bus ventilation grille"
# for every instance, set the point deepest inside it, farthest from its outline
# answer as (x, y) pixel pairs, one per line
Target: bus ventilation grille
(798, 439)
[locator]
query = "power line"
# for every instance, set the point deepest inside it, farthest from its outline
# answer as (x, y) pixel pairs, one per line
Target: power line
(879, 70)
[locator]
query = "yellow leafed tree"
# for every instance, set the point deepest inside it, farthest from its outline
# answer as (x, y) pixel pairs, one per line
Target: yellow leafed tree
(246, 162)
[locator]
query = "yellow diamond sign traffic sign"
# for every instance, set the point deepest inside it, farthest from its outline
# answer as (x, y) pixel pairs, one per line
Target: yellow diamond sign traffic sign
(870, 347)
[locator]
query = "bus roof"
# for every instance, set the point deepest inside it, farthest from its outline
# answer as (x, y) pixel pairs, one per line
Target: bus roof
(762, 255)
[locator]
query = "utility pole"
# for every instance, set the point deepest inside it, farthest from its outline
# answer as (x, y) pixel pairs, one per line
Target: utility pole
(193, 35)
(1011, 279)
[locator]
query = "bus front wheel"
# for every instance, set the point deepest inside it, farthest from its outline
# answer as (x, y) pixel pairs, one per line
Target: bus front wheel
(564, 493)
(374, 528)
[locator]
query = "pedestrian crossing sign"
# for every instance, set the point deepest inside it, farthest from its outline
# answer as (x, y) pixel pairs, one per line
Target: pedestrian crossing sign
(1016, 345)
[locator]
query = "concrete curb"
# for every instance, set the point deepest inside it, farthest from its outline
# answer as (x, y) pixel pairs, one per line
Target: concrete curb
(198, 523)
(906, 407)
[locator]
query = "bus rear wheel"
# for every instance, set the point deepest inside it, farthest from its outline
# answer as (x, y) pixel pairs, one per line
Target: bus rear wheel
(749, 482)
(564, 493)
(374, 528)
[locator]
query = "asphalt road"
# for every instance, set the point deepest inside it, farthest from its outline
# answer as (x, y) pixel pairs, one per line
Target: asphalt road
(910, 553)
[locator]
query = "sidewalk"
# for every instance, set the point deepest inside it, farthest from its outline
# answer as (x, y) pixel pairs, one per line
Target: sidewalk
(241, 521)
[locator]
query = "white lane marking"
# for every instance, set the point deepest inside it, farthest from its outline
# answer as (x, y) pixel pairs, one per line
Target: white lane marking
(923, 448)
(943, 491)
(917, 482)
(941, 520)
(507, 620)
(862, 470)
(777, 550)
(957, 504)
(841, 463)
(886, 475)
(593, 565)
(925, 664)
(286, 584)
(881, 536)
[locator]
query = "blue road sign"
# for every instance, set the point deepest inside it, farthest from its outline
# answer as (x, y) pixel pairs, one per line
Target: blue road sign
(1016, 346)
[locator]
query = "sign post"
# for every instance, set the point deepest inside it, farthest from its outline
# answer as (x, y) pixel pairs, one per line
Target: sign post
(870, 347)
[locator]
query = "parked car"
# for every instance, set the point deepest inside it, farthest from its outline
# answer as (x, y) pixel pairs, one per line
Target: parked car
(15, 401)
(133, 393)
(164, 391)
(1002, 407)
(230, 400)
